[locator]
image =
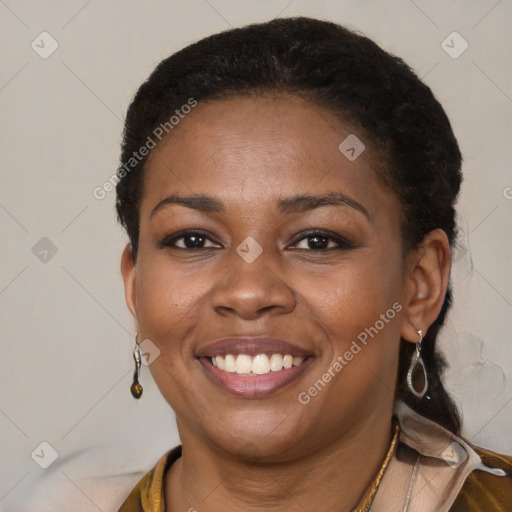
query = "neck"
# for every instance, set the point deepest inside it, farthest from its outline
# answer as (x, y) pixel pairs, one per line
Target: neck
(332, 478)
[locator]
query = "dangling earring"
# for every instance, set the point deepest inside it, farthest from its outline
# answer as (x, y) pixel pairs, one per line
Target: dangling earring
(136, 388)
(417, 373)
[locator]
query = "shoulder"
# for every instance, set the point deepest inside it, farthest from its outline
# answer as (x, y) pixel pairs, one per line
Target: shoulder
(147, 495)
(487, 491)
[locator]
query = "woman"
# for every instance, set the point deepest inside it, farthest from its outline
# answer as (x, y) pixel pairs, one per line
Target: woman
(288, 189)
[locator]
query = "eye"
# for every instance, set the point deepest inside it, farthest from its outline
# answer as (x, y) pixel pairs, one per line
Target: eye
(187, 239)
(320, 240)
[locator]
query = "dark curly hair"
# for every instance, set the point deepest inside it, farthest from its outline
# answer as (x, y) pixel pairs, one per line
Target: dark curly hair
(349, 75)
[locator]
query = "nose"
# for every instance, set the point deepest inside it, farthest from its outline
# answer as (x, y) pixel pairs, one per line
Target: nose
(251, 290)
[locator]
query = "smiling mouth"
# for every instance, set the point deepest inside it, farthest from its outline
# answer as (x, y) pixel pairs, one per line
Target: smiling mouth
(255, 376)
(253, 366)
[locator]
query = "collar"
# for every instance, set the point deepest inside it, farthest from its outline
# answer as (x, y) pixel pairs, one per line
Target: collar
(429, 467)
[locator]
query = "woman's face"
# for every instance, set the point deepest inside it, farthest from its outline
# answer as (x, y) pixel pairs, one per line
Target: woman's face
(257, 269)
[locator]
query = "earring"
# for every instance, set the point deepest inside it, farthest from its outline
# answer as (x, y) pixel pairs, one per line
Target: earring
(417, 373)
(136, 388)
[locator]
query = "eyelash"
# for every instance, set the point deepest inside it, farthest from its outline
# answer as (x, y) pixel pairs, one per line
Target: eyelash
(343, 243)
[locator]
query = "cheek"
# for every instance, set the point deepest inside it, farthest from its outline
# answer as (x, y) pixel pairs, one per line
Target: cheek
(167, 306)
(360, 303)
(166, 302)
(358, 309)
(356, 293)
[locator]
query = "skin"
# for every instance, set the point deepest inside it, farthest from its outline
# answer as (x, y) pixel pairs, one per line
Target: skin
(274, 453)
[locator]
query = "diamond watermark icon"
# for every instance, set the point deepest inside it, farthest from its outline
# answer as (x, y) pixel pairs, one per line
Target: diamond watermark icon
(454, 45)
(249, 249)
(454, 455)
(44, 45)
(44, 250)
(149, 352)
(351, 147)
(44, 455)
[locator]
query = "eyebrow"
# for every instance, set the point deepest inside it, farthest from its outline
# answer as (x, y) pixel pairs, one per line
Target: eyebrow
(294, 204)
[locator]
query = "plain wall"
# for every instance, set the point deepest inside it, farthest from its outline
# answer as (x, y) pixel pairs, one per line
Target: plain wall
(67, 336)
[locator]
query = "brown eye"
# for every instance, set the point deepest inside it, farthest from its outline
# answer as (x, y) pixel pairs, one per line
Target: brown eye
(187, 239)
(323, 240)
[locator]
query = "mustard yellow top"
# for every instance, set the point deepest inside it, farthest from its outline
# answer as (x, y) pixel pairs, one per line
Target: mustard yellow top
(426, 469)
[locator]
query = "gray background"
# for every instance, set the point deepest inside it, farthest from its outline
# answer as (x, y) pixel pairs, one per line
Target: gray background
(67, 337)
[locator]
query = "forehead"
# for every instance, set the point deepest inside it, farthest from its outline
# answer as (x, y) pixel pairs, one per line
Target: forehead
(255, 148)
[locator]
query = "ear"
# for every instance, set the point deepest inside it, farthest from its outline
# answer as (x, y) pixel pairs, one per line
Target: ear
(128, 271)
(427, 275)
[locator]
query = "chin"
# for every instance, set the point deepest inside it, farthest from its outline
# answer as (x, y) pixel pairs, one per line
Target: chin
(252, 435)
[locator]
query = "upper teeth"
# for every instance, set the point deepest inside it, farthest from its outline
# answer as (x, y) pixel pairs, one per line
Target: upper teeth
(260, 364)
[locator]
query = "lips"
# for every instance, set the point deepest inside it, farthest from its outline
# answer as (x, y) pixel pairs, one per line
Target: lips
(257, 380)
